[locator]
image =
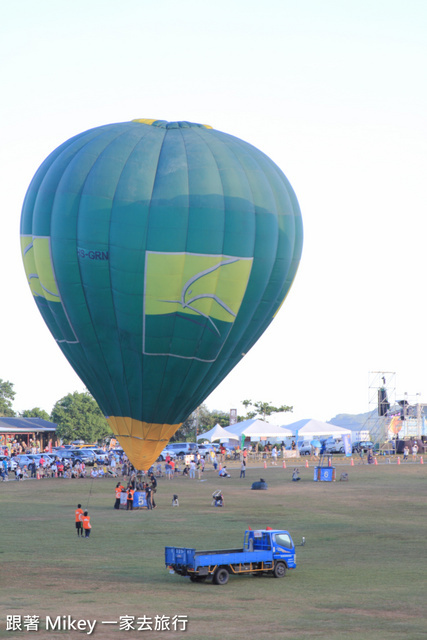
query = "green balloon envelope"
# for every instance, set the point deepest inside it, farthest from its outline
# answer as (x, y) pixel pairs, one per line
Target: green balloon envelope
(157, 253)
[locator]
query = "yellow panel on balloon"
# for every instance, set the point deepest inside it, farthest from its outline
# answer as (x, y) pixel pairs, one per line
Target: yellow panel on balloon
(142, 442)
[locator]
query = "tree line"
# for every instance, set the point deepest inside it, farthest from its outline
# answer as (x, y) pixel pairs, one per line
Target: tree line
(79, 417)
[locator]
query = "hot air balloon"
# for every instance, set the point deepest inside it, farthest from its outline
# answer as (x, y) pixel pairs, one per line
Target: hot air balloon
(157, 253)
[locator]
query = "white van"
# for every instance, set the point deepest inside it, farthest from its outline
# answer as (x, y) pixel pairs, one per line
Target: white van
(182, 449)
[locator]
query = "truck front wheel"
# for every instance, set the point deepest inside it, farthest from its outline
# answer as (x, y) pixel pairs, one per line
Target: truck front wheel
(221, 576)
(279, 570)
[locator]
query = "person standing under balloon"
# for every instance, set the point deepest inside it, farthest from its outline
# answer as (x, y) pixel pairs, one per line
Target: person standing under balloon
(153, 489)
(148, 495)
(79, 514)
(86, 524)
(129, 503)
(118, 490)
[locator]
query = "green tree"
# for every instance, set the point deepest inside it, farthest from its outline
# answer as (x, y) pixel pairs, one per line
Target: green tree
(7, 395)
(200, 420)
(219, 417)
(36, 413)
(196, 421)
(263, 409)
(79, 418)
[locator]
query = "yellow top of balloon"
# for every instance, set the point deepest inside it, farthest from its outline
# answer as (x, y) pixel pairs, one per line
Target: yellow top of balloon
(169, 125)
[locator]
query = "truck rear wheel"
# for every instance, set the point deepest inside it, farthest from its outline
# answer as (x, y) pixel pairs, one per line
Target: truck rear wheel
(279, 570)
(221, 576)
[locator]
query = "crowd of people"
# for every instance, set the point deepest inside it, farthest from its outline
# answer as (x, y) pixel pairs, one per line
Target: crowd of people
(55, 464)
(125, 496)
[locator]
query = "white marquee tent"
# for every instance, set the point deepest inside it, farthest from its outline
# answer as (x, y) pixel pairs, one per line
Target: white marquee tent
(258, 429)
(309, 428)
(217, 433)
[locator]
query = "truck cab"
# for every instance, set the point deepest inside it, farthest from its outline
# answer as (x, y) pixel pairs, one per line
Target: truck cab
(278, 542)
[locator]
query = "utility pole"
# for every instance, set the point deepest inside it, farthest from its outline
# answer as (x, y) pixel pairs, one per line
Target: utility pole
(197, 422)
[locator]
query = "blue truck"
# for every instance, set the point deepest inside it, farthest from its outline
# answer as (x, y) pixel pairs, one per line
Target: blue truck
(269, 551)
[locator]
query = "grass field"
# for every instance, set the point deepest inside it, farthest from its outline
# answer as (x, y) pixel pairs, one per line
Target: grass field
(360, 575)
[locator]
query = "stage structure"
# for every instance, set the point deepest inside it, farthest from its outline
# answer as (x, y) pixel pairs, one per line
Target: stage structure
(391, 416)
(382, 405)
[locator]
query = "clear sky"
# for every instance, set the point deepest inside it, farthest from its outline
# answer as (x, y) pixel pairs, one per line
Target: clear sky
(334, 91)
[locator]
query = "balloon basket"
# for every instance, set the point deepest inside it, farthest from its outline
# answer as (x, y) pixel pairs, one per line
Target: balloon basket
(324, 474)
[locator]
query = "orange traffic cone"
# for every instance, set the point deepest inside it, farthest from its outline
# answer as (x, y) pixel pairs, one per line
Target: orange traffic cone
(398, 461)
(265, 464)
(421, 460)
(306, 464)
(352, 463)
(329, 462)
(375, 461)
(284, 463)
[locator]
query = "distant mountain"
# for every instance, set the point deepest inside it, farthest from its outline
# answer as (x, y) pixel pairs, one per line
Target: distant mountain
(354, 422)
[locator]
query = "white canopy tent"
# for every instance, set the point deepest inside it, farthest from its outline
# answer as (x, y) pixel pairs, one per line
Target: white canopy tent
(309, 428)
(217, 433)
(258, 429)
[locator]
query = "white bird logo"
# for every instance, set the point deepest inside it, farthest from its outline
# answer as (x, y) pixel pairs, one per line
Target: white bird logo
(188, 304)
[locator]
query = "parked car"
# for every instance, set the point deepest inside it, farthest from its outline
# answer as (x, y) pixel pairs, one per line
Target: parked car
(82, 455)
(304, 448)
(205, 449)
(336, 446)
(49, 458)
(11, 464)
(101, 456)
(364, 445)
(182, 449)
(164, 453)
(23, 460)
(63, 454)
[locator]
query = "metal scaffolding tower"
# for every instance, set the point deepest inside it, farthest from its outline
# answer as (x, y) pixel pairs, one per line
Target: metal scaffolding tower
(382, 401)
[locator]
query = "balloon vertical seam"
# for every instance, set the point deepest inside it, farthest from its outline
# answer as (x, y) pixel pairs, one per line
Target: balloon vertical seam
(113, 200)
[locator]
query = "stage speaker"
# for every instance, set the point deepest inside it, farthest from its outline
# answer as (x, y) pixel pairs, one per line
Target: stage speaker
(383, 403)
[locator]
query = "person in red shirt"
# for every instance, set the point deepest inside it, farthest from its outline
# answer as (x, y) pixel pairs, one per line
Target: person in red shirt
(79, 515)
(86, 524)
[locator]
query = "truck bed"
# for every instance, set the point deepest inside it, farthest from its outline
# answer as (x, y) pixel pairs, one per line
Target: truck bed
(233, 556)
(192, 559)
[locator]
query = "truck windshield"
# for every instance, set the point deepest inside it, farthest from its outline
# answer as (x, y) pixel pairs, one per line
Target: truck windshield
(283, 540)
